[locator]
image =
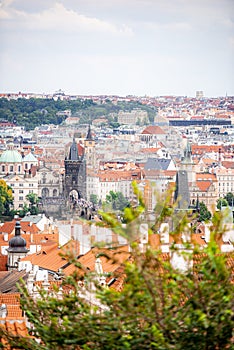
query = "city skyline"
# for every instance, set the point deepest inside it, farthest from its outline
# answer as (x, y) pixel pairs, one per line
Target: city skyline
(140, 47)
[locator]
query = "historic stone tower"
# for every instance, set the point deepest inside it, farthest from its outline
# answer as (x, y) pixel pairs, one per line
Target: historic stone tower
(74, 184)
(17, 249)
(90, 153)
(188, 165)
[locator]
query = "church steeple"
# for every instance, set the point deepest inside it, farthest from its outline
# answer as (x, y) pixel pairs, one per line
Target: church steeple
(89, 134)
(187, 164)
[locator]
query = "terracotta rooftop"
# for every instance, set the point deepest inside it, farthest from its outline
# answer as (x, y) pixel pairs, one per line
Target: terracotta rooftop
(17, 327)
(26, 227)
(228, 164)
(206, 177)
(153, 130)
(149, 150)
(111, 259)
(203, 185)
(51, 259)
(201, 149)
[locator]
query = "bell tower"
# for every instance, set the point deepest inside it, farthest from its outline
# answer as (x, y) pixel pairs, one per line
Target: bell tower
(17, 249)
(89, 144)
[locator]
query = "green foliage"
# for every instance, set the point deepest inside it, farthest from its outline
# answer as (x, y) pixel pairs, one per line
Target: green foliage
(204, 213)
(6, 198)
(94, 199)
(37, 111)
(116, 201)
(221, 202)
(32, 198)
(159, 306)
(230, 198)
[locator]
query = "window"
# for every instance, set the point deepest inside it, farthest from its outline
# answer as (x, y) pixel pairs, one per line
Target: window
(21, 205)
(3, 167)
(21, 185)
(19, 168)
(30, 185)
(26, 165)
(21, 191)
(11, 168)
(21, 198)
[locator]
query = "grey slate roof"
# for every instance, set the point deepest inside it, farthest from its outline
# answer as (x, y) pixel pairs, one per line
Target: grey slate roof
(32, 218)
(8, 283)
(73, 154)
(157, 164)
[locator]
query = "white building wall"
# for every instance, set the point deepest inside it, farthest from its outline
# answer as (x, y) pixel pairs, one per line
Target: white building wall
(21, 187)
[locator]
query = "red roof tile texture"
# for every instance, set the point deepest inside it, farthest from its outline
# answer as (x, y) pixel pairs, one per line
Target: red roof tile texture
(111, 259)
(52, 259)
(153, 130)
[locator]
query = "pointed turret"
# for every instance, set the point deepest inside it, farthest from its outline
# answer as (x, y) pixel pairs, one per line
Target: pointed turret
(89, 134)
(73, 154)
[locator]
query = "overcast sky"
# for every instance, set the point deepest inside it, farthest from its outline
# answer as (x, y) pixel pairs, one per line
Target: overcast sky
(123, 47)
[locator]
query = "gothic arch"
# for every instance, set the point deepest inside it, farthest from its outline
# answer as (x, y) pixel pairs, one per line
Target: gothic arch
(45, 192)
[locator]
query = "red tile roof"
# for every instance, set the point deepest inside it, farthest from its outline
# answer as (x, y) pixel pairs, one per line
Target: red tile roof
(52, 259)
(26, 227)
(203, 185)
(111, 259)
(228, 165)
(153, 130)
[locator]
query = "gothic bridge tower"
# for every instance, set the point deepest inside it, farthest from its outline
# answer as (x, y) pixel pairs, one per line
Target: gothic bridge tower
(74, 186)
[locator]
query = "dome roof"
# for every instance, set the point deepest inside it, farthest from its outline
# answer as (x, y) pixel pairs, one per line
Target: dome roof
(17, 243)
(11, 156)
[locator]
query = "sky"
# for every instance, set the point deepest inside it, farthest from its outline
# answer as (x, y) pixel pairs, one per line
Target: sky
(117, 47)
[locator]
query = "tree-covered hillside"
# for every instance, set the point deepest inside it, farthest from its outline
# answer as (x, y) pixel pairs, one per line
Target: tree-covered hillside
(37, 111)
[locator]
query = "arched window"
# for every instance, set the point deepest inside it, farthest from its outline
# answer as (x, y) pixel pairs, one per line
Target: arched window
(55, 193)
(45, 192)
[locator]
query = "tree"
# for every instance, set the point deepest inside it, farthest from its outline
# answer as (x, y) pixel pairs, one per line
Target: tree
(116, 201)
(159, 307)
(229, 198)
(94, 199)
(204, 213)
(6, 197)
(32, 198)
(221, 202)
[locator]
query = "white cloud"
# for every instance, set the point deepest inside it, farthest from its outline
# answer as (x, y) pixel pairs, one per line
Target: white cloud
(61, 19)
(169, 26)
